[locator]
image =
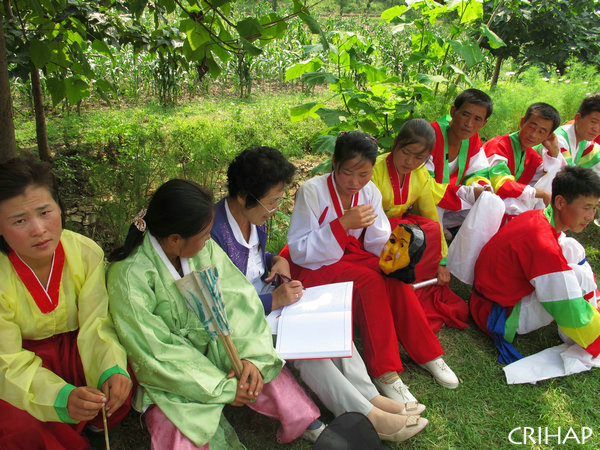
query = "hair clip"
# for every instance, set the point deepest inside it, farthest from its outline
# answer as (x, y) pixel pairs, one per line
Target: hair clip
(138, 220)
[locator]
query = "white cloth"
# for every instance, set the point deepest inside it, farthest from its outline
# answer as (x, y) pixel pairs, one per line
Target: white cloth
(342, 384)
(482, 222)
(558, 361)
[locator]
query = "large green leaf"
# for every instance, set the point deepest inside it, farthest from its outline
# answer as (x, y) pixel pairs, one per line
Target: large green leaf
(324, 167)
(314, 27)
(249, 48)
(301, 112)
(102, 48)
(368, 126)
(324, 143)
(468, 51)
(249, 28)
(197, 36)
(391, 13)
(494, 40)
(301, 68)
(214, 69)
(316, 48)
(386, 142)
(57, 88)
(274, 27)
(428, 79)
(103, 88)
(39, 53)
(77, 90)
(373, 74)
(331, 117)
(473, 11)
(359, 106)
(314, 78)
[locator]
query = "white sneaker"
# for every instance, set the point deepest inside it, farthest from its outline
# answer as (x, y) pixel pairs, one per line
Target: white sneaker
(312, 435)
(397, 390)
(441, 372)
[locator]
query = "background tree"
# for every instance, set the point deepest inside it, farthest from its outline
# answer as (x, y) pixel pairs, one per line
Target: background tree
(546, 33)
(8, 147)
(57, 37)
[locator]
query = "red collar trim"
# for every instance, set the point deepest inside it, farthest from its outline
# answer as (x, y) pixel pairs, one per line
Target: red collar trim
(339, 210)
(400, 192)
(46, 300)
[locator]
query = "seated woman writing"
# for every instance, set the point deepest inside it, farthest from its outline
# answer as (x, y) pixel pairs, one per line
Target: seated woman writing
(60, 359)
(185, 377)
(256, 181)
(337, 233)
(410, 195)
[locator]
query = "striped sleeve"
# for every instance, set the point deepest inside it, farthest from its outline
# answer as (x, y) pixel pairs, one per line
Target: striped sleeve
(560, 295)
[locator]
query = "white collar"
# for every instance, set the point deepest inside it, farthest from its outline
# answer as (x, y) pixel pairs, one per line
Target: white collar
(237, 232)
(185, 265)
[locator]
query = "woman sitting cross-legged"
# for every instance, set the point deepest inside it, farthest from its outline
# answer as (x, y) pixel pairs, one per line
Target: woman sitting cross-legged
(60, 359)
(337, 233)
(185, 377)
(256, 181)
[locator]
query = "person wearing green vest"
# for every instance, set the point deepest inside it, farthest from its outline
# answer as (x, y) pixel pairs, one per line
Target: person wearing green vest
(457, 157)
(515, 167)
(576, 138)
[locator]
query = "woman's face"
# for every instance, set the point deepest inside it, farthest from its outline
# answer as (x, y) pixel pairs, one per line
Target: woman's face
(266, 207)
(352, 175)
(408, 157)
(191, 246)
(31, 225)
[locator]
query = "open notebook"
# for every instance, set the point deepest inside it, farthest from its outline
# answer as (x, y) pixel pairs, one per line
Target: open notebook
(319, 325)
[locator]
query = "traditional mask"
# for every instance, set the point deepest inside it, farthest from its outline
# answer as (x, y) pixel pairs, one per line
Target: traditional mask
(402, 252)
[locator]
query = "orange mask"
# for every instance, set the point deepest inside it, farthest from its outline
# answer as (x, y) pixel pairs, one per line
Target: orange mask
(402, 252)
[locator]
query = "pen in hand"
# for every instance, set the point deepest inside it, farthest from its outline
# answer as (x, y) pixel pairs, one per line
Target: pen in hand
(287, 279)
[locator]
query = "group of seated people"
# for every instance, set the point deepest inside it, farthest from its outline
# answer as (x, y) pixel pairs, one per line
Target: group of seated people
(76, 342)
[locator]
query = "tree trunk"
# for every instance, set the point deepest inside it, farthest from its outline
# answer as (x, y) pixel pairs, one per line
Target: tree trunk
(40, 117)
(8, 145)
(496, 72)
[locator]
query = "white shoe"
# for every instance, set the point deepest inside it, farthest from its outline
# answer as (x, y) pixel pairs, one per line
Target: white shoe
(441, 372)
(396, 391)
(312, 435)
(414, 425)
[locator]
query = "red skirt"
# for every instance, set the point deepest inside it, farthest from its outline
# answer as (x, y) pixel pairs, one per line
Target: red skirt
(20, 430)
(441, 305)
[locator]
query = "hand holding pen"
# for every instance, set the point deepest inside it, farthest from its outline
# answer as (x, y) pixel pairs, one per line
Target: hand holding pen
(288, 292)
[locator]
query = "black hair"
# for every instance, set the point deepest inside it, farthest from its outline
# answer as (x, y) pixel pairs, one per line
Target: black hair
(17, 174)
(256, 170)
(590, 104)
(476, 97)
(350, 144)
(575, 181)
(177, 207)
(545, 111)
(415, 131)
